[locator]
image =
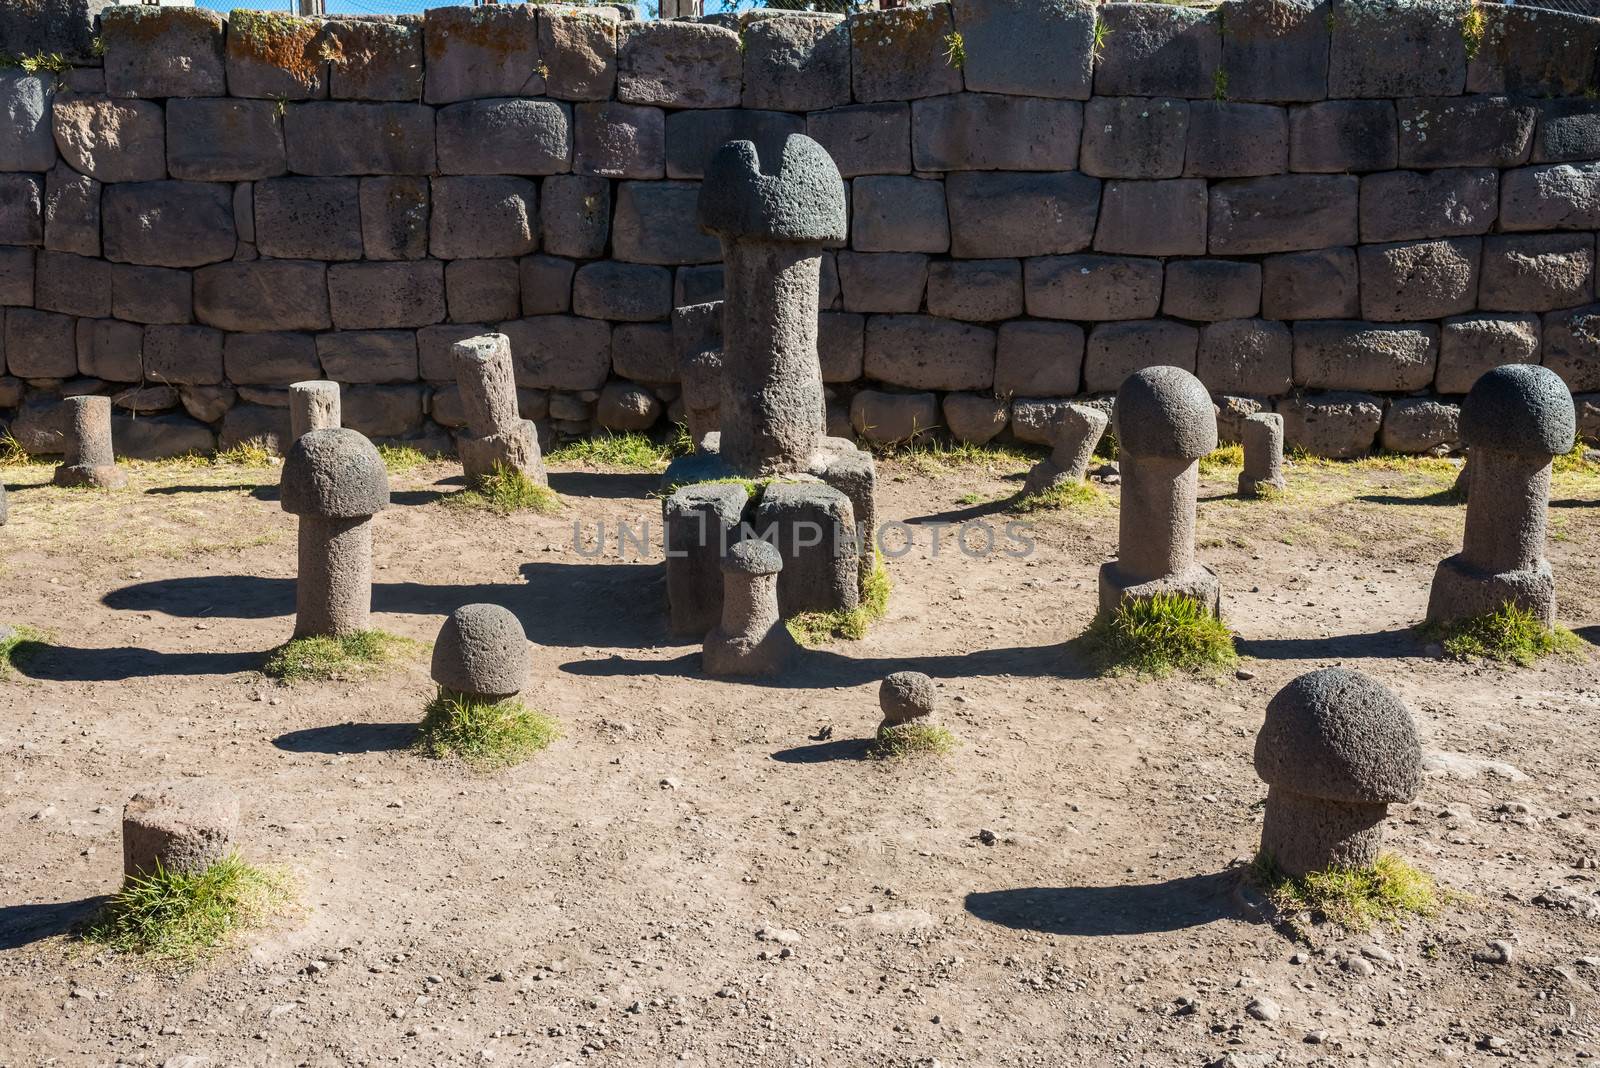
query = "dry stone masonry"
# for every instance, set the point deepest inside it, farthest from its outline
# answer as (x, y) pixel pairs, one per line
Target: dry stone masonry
(335, 481)
(1343, 211)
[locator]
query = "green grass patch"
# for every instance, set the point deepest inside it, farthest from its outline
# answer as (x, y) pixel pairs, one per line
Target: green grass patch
(819, 628)
(402, 459)
(251, 453)
(14, 645)
(506, 492)
(12, 454)
(483, 734)
(1066, 495)
(912, 739)
(633, 451)
(1160, 635)
(1575, 462)
(931, 456)
(181, 916)
(1222, 460)
(318, 659)
(1380, 461)
(1509, 635)
(1354, 898)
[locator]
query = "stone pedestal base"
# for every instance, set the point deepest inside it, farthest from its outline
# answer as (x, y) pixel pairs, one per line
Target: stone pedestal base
(701, 524)
(1261, 487)
(1045, 476)
(105, 476)
(1304, 834)
(1199, 582)
(1462, 592)
(515, 450)
(764, 657)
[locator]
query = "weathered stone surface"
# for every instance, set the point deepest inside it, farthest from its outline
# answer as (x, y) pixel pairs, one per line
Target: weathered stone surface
(656, 222)
(26, 141)
(865, 138)
(65, 26)
(383, 411)
(111, 350)
(975, 290)
(546, 284)
(693, 137)
(394, 217)
(921, 352)
(435, 362)
(560, 351)
(1394, 48)
(1276, 50)
(1336, 354)
(901, 54)
(308, 218)
(1555, 196)
(629, 292)
(991, 132)
(162, 51)
(883, 281)
(380, 356)
(1134, 137)
(481, 650)
(1568, 130)
(975, 418)
(336, 137)
(1338, 426)
(476, 218)
(579, 50)
(1400, 205)
(1310, 285)
(1469, 345)
(1539, 272)
(473, 52)
(1236, 140)
(1419, 280)
(1092, 287)
(1283, 213)
(796, 62)
(1250, 356)
(76, 285)
(504, 136)
(256, 423)
(1038, 359)
(999, 214)
(271, 359)
(223, 140)
(1474, 131)
(1160, 218)
(1116, 350)
(678, 65)
(183, 826)
(111, 140)
(183, 355)
(895, 214)
(696, 285)
(21, 209)
(1535, 51)
(161, 437)
(576, 220)
(263, 295)
(1211, 290)
(482, 290)
(1571, 347)
(1342, 136)
(71, 212)
(620, 140)
(643, 352)
(378, 58)
(16, 276)
(1420, 424)
(168, 224)
(276, 56)
(1156, 50)
(1041, 48)
(885, 418)
(363, 296)
(841, 345)
(145, 400)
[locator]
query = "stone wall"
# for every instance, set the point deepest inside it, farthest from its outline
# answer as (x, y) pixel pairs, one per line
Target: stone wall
(1343, 210)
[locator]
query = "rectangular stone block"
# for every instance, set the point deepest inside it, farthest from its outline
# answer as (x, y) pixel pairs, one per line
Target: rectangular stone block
(394, 218)
(477, 291)
(560, 351)
(276, 56)
(1038, 359)
(1401, 205)
(579, 50)
(504, 136)
(1538, 52)
(1536, 272)
(151, 294)
(71, 212)
(1283, 213)
(576, 220)
(841, 343)
(1419, 280)
(642, 352)
(26, 141)
(434, 362)
(1568, 130)
(678, 65)
(111, 140)
(620, 140)
(1332, 354)
(1552, 196)
(1276, 50)
(1159, 218)
(896, 214)
(47, 26)
(336, 137)
(1211, 290)
(1420, 424)
(1092, 287)
(366, 296)
(74, 285)
(1116, 350)
(1134, 137)
(383, 411)
(1571, 346)
(1236, 140)
(696, 285)
(1027, 47)
(40, 344)
(1338, 426)
(21, 209)
(1469, 345)
(865, 138)
(995, 214)
(481, 217)
(658, 222)
(798, 62)
(158, 52)
(223, 140)
(921, 352)
(168, 224)
(693, 137)
(473, 52)
(271, 359)
(376, 58)
(16, 276)
(628, 292)
(1342, 136)
(902, 54)
(991, 132)
(183, 355)
(111, 350)
(1396, 48)
(375, 356)
(1249, 356)
(263, 295)
(1158, 50)
(546, 284)
(883, 281)
(1474, 131)
(979, 291)
(701, 522)
(308, 218)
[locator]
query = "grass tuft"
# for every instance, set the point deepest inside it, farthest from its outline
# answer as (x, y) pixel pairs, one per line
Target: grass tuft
(14, 642)
(633, 451)
(1066, 495)
(1509, 635)
(1160, 635)
(402, 459)
(819, 628)
(174, 915)
(931, 456)
(483, 734)
(1223, 460)
(318, 659)
(251, 453)
(912, 739)
(1578, 461)
(507, 492)
(12, 453)
(1354, 898)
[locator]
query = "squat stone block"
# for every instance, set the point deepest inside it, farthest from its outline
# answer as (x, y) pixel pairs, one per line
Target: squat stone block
(272, 359)
(865, 138)
(693, 137)
(473, 52)
(180, 827)
(887, 418)
(678, 64)
(1469, 345)
(546, 284)
(1343, 136)
(1474, 131)
(882, 281)
(87, 458)
(1161, 218)
(263, 295)
(1229, 140)
(308, 218)
(158, 52)
(504, 136)
(1419, 280)
(1283, 213)
(1041, 48)
(1038, 359)
(40, 344)
(1157, 50)
(394, 217)
(1262, 437)
(1117, 350)
(579, 50)
(222, 140)
(975, 290)
(1134, 137)
(1250, 356)
(1537, 272)
(1415, 425)
(895, 214)
(391, 58)
(813, 527)
(478, 291)
(151, 294)
(183, 355)
(1556, 196)
(627, 292)
(483, 217)
(619, 141)
(340, 138)
(1210, 290)
(922, 352)
(560, 351)
(655, 223)
(1336, 426)
(900, 53)
(798, 62)
(1311, 285)
(1398, 358)
(111, 350)
(1276, 50)
(168, 224)
(365, 296)
(1571, 346)
(111, 140)
(366, 356)
(1402, 205)
(1395, 48)
(997, 214)
(991, 132)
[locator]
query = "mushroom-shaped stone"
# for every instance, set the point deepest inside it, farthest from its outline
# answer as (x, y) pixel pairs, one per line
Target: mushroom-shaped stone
(481, 651)
(183, 826)
(1519, 408)
(751, 638)
(1165, 412)
(905, 696)
(1337, 748)
(335, 481)
(798, 196)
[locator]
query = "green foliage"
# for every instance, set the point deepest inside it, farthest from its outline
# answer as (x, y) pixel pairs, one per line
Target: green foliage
(506, 492)
(402, 459)
(1219, 84)
(1223, 459)
(1509, 635)
(1353, 898)
(633, 451)
(1474, 26)
(318, 659)
(912, 739)
(251, 453)
(955, 52)
(49, 62)
(1069, 494)
(818, 628)
(931, 456)
(1102, 34)
(14, 643)
(483, 734)
(1159, 635)
(12, 453)
(1578, 461)
(180, 916)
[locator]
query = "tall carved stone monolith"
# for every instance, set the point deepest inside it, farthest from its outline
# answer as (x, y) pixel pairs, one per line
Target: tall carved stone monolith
(751, 638)
(1261, 435)
(88, 459)
(697, 344)
(313, 405)
(1165, 422)
(1515, 420)
(496, 435)
(335, 481)
(1074, 433)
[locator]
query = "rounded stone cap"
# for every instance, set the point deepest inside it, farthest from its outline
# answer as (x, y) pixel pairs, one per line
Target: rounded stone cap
(1340, 735)
(1520, 407)
(906, 695)
(1165, 411)
(753, 557)
(334, 474)
(481, 650)
(797, 197)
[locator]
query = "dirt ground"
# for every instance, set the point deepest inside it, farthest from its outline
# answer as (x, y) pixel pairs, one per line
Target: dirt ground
(699, 873)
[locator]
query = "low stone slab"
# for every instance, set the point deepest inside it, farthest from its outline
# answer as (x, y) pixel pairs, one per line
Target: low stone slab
(1090, 287)
(922, 352)
(1396, 358)
(995, 214)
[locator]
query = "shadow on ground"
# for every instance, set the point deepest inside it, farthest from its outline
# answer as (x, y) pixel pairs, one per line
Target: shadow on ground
(346, 738)
(825, 752)
(65, 663)
(1092, 911)
(1381, 643)
(604, 485)
(22, 925)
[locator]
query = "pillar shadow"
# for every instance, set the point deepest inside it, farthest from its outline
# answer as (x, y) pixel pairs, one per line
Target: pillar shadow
(411, 498)
(1381, 643)
(825, 752)
(64, 663)
(252, 489)
(22, 925)
(962, 515)
(1589, 634)
(1574, 502)
(1093, 911)
(1446, 497)
(346, 738)
(600, 484)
